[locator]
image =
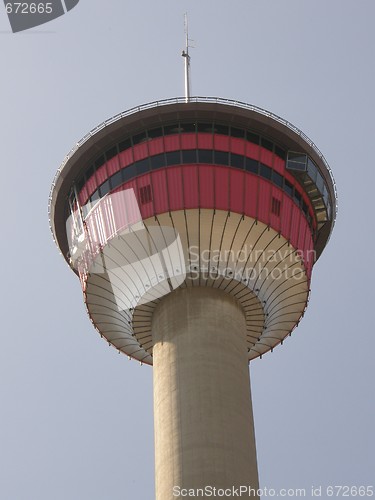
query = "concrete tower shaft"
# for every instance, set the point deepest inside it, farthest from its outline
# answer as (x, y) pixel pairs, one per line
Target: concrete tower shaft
(204, 431)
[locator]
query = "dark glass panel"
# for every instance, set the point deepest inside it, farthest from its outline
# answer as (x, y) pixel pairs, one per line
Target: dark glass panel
(251, 137)
(265, 171)
(237, 132)
(171, 129)
(189, 156)
(288, 187)
(277, 179)
(265, 143)
(95, 196)
(221, 129)
(297, 196)
(158, 161)
(80, 183)
(237, 160)
(124, 145)
(205, 127)
(89, 172)
(100, 161)
(110, 153)
(104, 188)
(173, 158)
(129, 172)
(280, 152)
(116, 179)
(188, 127)
(221, 157)
(155, 132)
(142, 166)
(205, 155)
(251, 165)
(139, 138)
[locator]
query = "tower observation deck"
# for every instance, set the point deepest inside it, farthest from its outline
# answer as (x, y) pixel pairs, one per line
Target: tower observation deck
(194, 228)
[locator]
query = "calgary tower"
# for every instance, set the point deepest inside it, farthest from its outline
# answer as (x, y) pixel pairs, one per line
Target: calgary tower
(193, 225)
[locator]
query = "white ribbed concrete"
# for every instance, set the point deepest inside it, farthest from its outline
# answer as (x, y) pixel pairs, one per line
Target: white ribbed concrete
(204, 430)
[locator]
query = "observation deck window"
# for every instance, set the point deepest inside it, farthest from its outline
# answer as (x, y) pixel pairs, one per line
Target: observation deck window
(296, 161)
(100, 161)
(173, 157)
(251, 137)
(221, 129)
(188, 127)
(265, 171)
(158, 161)
(237, 132)
(155, 132)
(143, 166)
(277, 179)
(221, 157)
(205, 156)
(236, 160)
(142, 137)
(251, 165)
(265, 143)
(111, 153)
(205, 128)
(189, 156)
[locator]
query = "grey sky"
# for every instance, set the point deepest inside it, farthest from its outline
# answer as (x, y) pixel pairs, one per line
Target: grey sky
(76, 417)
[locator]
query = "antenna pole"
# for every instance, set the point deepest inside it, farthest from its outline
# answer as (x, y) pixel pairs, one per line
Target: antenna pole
(185, 54)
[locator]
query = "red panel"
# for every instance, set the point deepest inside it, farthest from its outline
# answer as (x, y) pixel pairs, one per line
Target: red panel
(83, 196)
(236, 185)
(302, 232)
(172, 142)
(176, 196)
(237, 145)
(251, 184)
(275, 220)
(286, 216)
(266, 157)
(159, 188)
(294, 231)
(278, 164)
(91, 185)
(264, 203)
(131, 202)
(188, 141)
(126, 157)
(119, 209)
(147, 209)
(113, 165)
(156, 146)
(190, 186)
(252, 150)
(222, 188)
(205, 141)
(101, 174)
(221, 142)
(140, 151)
(289, 177)
(206, 186)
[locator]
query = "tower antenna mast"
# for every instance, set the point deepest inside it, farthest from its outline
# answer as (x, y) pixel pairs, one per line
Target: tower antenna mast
(185, 54)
